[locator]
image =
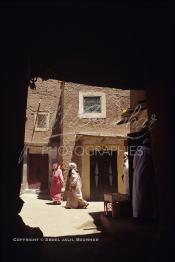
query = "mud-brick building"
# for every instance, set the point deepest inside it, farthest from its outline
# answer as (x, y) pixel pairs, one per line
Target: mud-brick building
(76, 122)
(39, 151)
(92, 138)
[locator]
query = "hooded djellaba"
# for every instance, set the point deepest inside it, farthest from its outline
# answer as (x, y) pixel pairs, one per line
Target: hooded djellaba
(74, 189)
(144, 196)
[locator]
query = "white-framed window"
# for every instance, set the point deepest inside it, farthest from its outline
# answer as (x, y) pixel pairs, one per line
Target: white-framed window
(92, 104)
(42, 121)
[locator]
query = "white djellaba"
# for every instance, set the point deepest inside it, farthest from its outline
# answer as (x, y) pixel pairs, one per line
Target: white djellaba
(74, 189)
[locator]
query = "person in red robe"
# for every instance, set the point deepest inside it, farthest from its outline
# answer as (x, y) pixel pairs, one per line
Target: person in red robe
(57, 182)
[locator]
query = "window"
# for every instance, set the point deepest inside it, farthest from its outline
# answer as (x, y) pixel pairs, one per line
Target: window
(42, 121)
(92, 105)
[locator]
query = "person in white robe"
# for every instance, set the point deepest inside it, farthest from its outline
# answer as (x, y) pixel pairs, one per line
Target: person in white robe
(144, 189)
(73, 189)
(125, 175)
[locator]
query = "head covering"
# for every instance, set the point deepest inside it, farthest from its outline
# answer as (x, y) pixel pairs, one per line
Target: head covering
(125, 153)
(72, 165)
(55, 166)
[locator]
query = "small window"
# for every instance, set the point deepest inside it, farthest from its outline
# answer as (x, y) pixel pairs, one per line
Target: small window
(42, 122)
(92, 104)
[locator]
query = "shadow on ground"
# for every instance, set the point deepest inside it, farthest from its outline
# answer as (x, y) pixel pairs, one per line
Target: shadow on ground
(43, 196)
(86, 248)
(97, 220)
(122, 246)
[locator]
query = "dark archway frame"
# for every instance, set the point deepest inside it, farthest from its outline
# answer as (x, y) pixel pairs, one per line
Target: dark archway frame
(119, 46)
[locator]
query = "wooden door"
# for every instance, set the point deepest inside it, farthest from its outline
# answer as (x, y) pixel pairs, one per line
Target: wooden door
(103, 173)
(38, 171)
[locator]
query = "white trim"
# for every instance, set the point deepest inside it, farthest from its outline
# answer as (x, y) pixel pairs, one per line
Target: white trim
(81, 113)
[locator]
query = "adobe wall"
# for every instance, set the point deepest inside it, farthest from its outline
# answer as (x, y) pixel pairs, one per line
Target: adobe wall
(116, 101)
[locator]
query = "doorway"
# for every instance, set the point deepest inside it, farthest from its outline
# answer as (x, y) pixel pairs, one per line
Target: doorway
(103, 173)
(38, 171)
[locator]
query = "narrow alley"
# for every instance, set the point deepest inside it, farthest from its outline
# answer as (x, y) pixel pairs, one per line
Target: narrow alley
(56, 220)
(82, 233)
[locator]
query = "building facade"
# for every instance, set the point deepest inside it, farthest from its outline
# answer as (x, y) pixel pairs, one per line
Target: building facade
(40, 150)
(92, 138)
(75, 122)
